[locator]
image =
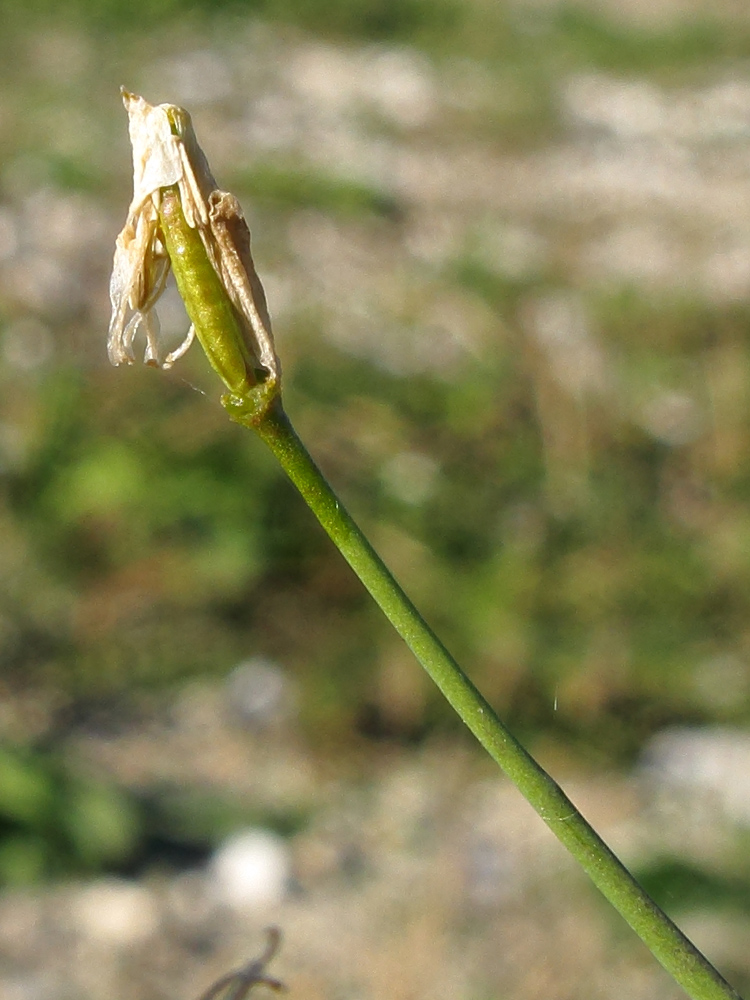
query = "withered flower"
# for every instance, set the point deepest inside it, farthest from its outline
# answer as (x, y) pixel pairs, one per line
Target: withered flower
(169, 164)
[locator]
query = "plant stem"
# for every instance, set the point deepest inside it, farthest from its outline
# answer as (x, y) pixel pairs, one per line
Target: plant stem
(259, 408)
(664, 939)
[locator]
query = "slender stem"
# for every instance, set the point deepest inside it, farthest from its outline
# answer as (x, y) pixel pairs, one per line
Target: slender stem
(667, 943)
(259, 407)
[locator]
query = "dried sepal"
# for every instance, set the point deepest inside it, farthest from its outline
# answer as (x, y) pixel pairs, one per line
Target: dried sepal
(139, 272)
(234, 264)
(166, 155)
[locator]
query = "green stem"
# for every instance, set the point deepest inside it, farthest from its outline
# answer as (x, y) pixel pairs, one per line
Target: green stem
(259, 407)
(667, 943)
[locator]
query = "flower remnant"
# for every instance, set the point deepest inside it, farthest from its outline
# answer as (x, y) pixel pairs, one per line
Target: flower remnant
(168, 159)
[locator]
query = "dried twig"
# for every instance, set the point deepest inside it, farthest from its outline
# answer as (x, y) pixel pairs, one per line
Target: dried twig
(239, 983)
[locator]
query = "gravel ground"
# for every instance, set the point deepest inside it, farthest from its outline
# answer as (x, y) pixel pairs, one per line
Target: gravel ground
(413, 874)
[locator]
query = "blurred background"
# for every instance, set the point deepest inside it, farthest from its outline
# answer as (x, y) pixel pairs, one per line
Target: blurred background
(506, 247)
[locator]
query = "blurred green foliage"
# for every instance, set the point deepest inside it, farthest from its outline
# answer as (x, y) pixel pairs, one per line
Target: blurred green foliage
(591, 576)
(276, 186)
(53, 820)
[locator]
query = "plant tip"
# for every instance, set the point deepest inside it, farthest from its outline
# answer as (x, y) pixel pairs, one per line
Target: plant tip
(168, 163)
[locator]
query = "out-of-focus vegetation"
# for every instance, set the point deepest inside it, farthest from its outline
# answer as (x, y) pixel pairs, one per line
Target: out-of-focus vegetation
(535, 401)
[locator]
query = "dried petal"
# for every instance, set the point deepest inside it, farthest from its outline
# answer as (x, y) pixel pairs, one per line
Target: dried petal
(156, 151)
(141, 265)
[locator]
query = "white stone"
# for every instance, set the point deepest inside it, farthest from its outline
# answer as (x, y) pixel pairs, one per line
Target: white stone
(115, 912)
(250, 869)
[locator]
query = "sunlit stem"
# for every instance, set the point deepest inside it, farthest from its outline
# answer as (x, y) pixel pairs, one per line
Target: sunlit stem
(259, 407)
